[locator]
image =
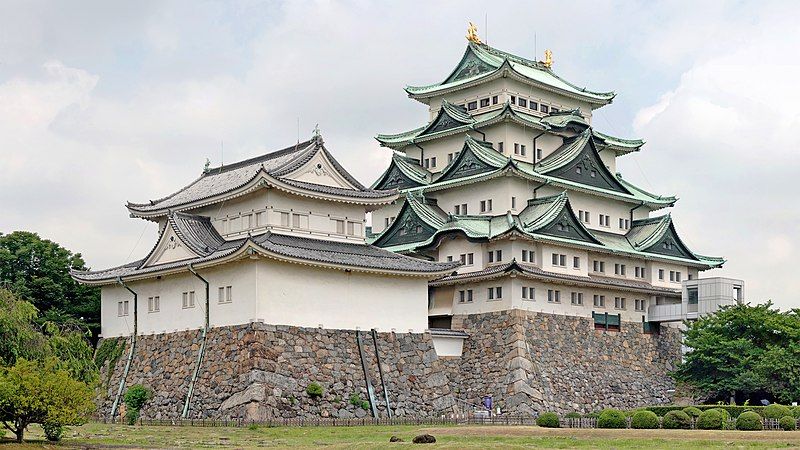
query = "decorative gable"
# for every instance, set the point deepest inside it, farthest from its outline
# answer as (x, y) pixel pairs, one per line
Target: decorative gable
(442, 122)
(396, 179)
(170, 248)
(566, 225)
(588, 168)
(469, 67)
(319, 170)
(406, 229)
(465, 165)
(670, 245)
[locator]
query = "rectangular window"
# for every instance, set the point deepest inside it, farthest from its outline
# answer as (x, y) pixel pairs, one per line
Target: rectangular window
(671, 275)
(188, 299)
(472, 105)
(576, 298)
(498, 255)
(533, 105)
(544, 108)
(464, 209)
(484, 102)
(661, 274)
(524, 256)
(599, 266)
(153, 304)
(576, 262)
(449, 258)
(619, 302)
(513, 202)
(299, 220)
(678, 277)
(469, 295)
(513, 100)
(284, 219)
(522, 149)
(462, 296)
(470, 259)
(491, 257)
(538, 153)
(500, 147)
(599, 301)
(605, 220)
(483, 205)
(525, 292)
(495, 100)
(427, 163)
(523, 103)
(498, 292)
(228, 294)
(553, 296)
(638, 304)
(449, 158)
(554, 110)
(516, 148)
(247, 221)
(339, 225)
(583, 216)
(122, 308)
(260, 219)
(433, 161)
(491, 293)
(221, 295)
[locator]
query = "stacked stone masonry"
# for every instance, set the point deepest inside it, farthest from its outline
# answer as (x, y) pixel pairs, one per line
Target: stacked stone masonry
(528, 362)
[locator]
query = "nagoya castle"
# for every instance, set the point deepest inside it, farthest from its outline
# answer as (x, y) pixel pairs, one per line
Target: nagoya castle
(510, 178)
(506, 258)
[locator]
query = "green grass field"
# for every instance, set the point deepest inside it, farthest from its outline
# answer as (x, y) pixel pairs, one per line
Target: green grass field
(369, 437)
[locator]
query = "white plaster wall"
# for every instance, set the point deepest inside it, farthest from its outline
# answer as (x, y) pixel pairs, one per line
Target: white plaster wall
(241, 276)
(291, 294)
(379, 216)
(480, 302)
(448, 346)
(264, 207)
(546, 252)
(455, 246)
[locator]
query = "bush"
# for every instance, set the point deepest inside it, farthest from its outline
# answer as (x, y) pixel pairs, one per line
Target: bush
(592, 415)
(612, 418)
(712, 419)
(644, 420)
(548, 420)
(355, 400)
(677, 420)
(572, 415)
(749, 421)
(775, 411)
(788, 423)
(692, 411)
(314, 390)
(53, 432)
(732, 410)
(135, 398)
(796, 412)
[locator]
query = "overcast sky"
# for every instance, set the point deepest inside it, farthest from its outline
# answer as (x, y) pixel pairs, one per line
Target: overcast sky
(103, 102)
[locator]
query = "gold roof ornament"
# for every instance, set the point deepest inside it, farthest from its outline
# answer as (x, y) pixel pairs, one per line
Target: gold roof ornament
(548, 59)
(472, 33)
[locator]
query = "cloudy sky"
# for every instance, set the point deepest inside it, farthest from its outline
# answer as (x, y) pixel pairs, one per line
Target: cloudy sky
(103, 102)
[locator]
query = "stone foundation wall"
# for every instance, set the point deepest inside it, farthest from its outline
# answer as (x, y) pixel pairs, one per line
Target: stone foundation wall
(529, 362)
(535, 362)
(259, 371)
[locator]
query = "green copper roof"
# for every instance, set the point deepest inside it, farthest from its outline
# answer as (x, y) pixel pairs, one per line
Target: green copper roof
(548, 219)
(402, 173)
(450, 120)
(482, 62)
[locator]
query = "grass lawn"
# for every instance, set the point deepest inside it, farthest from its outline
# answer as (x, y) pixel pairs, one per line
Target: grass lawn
(369, 437)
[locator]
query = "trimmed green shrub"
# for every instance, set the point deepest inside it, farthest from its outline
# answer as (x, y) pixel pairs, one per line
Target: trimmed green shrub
(612, 418)
(712, 419)
(644, 420)
(788, 423)
(355, 400)
(135, 398)
(692, 411)
(592, 415)
(796, 412)
(548, 420)
(572, 415)
(53, 432)
(677, 420)
(733, 410)
(775, 411)
(749, 421)
(314, 390)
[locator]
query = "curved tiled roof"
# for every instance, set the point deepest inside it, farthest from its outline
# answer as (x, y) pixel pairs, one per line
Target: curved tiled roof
(215, 182)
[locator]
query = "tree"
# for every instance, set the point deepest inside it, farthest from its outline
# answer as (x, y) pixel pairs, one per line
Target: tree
(743, 350)
(21, 337)
(39, 392)
(37, 270)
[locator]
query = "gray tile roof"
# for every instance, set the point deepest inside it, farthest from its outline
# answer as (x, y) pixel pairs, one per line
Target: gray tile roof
(199, 235)
(221, 180)
(536, 272)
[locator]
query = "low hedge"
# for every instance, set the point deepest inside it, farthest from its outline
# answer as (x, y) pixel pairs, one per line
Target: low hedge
(693, 411)
(788, 423)
(677, 420)
(644, 420)
(712, 419)
(749, 421)
(732, 410)
(775, 411)
(548, 420)
(573, 415)
(612, 418)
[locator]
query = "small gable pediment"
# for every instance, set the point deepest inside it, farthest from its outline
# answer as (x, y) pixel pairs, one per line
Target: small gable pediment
(670, 245)
(466, 164)
(469, 66)
(406, 229)
(396, 179)
(170, 248)
(319, 170)
(566, 225)
(587, 168)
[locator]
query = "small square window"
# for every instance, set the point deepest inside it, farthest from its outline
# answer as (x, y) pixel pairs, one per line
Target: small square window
(472, 105)
(533, 105)
(523, 103)
(484, 102)
(495, 100)
(513, 100)
(544, 108)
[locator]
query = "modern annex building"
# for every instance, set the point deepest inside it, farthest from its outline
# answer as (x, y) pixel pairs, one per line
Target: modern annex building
(510, 178)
